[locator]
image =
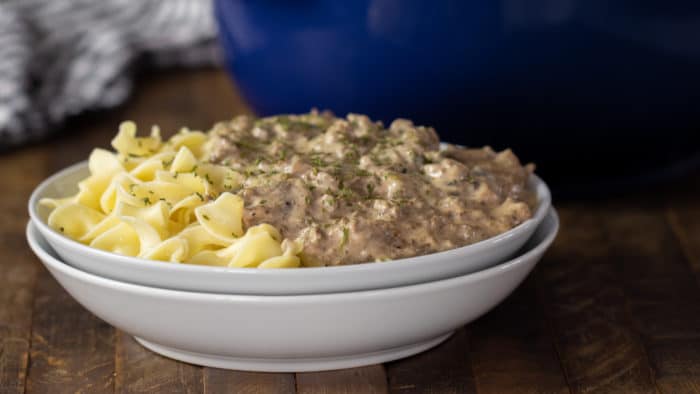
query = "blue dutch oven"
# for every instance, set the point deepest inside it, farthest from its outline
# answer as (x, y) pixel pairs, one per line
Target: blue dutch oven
(598, 93)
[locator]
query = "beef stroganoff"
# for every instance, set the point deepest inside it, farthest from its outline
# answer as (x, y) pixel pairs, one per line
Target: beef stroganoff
(292, 190)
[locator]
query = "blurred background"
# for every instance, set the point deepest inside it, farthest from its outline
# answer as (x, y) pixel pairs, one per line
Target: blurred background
(600, 95)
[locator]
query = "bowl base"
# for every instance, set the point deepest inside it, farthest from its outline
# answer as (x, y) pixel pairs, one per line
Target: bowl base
(293, 364)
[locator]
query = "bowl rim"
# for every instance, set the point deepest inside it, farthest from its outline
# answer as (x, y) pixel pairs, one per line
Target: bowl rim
(32, 234)
(544, 203)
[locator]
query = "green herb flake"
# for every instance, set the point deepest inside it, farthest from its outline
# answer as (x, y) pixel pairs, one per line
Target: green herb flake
(201, 197)
(146, 201)
(370, 191)
(62, 229)
(345, 193)
(206, 217)
(245, 145)
(262, 202)
(282, 154)
(361, 172)
(206, 177)
(317, 162)
(346, 237)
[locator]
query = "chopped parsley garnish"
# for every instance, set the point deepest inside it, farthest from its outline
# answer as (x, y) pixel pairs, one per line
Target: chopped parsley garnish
(246, 145)
(146, 201)
(345, 193)
(346, 237)
(206, 217)
(361, 172)
(316, 161)
(201, 197)
(370, 191)
(283, 121)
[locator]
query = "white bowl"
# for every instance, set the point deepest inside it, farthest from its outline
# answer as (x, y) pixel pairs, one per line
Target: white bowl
(225, 280)
(295, 333)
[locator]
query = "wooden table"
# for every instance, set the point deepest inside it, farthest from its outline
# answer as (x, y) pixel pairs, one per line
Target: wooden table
(613, 307)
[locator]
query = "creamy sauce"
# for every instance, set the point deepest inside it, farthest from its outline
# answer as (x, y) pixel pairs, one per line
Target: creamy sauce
(352, 191)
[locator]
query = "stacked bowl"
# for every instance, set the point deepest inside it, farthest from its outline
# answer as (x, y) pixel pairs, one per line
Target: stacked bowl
(290, 320)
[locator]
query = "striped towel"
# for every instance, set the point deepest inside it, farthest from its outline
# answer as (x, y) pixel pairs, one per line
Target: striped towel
(62, 57)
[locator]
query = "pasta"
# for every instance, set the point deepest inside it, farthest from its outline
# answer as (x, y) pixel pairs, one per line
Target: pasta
(158, 200)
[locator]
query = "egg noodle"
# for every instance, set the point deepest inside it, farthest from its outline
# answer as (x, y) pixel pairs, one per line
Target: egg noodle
(157, 200)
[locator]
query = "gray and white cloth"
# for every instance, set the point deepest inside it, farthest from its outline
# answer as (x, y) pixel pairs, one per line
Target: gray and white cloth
(62, 57)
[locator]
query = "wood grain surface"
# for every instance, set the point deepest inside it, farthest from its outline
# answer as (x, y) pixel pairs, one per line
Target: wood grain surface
(613, 307)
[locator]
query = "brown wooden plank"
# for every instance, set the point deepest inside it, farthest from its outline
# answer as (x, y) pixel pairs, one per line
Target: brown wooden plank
(18, 267)
(17, 275)
(444, 369)
(370, 380)
(684, 220)
(225, 381)
(221, 96)
(72, 350)
(138, 370)
(581, 290)
(664, 297)
(512, 350)
(683, 216)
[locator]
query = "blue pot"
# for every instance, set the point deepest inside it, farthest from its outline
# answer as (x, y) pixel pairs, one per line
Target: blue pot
(383, 58)
(557, 80)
